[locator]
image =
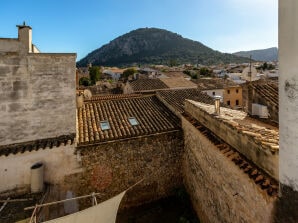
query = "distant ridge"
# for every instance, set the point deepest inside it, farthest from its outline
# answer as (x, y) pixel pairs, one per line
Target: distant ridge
(156, 46)
(270, 54)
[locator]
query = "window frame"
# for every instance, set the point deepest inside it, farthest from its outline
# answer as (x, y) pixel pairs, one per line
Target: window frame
(105, 125)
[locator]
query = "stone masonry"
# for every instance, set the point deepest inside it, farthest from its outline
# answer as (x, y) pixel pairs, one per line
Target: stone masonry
(112, 167)
(220, 191)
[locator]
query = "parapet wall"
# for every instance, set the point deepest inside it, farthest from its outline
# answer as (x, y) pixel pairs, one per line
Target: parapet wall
(220, 190)
(256, 143)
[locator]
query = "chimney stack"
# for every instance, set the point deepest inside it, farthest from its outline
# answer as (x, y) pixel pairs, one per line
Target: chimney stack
(217, 105)
(25, 36)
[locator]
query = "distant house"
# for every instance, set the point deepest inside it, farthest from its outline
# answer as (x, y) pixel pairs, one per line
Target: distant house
(113, 73)
(178, 83)
(144, 86)
(232, 96)
(175, 99)
(261, 93)
(229, 91)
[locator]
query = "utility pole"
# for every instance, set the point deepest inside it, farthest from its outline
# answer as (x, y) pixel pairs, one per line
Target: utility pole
(249, 73)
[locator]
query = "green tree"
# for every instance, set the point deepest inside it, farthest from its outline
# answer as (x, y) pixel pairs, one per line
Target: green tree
(85, 81)
(173, 62)
(128, 72)
(187, 72)
(94, 73)
(204, 71)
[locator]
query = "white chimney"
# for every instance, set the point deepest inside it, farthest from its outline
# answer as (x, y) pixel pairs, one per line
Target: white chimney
(217, 104)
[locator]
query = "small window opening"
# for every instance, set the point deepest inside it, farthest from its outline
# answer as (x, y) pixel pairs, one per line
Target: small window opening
(133, 121)
(213, 93)
(237, 90)
(228, 91)
(228, 103)
(237, 102)
(105, 125)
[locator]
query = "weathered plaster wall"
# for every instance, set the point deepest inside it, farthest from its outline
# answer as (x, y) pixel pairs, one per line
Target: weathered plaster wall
(37, 96)
(244, 143)
(235, 93)
(287, 204)
(58, 162)
(218, 92)
(10, 45)
(220, 191)
(113, 167)
(288, 92)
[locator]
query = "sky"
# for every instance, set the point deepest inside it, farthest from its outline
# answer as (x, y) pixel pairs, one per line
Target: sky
(81, 26)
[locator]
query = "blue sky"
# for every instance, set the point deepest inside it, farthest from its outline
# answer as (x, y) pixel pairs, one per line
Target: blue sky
(82, 26)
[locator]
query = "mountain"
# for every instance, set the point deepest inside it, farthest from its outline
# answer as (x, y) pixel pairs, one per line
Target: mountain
(270, 54)
(155, 46)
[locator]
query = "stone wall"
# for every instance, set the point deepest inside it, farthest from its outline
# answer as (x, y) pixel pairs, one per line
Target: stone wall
(220, 191)
(115, 166)
(245, 143)
(37, 95)
(58, 162)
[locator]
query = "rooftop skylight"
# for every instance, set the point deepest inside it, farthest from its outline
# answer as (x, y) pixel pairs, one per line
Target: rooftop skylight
(133, 121)
(105, 125)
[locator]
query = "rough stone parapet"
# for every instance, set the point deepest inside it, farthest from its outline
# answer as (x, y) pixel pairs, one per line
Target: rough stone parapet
(257, 143)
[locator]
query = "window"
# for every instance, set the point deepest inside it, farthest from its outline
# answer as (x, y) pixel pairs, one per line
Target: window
(228, 103)
(105, 125)
(237, 90)
(213, 93)
(228, 91)
(133, 121)
(237, 102)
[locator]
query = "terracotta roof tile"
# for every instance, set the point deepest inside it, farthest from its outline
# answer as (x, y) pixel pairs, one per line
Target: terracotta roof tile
(267, 90)
(112, 97)
(178, 82)
(213, 83)
(37, 144)
(147, 85)
(152, 116)
(176, 98)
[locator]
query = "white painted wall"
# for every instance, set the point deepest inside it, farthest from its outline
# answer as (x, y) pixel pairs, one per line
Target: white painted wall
(58, 162)
(218, 92)
(288, 92)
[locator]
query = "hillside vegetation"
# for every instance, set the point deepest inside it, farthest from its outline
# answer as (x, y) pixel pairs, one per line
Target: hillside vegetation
(155, 46)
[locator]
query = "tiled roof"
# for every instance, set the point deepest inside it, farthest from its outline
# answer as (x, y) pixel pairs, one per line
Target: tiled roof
(267, 90)
(175, 74)
(176, 98)
(37, 144)
(147, 84)
(178, 82)
(112, 97)
(152, 116)
(213, 83)
(260, 178)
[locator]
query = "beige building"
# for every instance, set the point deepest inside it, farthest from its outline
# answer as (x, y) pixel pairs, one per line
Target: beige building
(38, 111)
(232, 96)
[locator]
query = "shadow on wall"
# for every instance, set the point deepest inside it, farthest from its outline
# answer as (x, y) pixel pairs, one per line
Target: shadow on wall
(286, 209)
